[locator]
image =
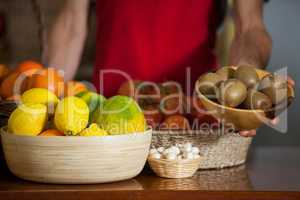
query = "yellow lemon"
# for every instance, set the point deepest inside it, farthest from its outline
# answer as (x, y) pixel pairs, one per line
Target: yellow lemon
(93, 130)
(121, 115)
(42, 96)
(28, 119)
(71, 115)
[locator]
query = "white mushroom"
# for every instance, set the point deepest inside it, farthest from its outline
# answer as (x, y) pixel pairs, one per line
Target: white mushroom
(175, 149)
(160, 149)
(153, 151)
(155, 155)
(195, 150)
(171, 156)
(187, 147)
(188, 155)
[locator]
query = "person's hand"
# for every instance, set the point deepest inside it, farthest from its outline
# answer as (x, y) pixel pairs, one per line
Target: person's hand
(252, 133)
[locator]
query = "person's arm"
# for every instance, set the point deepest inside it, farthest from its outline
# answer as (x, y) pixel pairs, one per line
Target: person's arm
(252, 44)
(66, 38)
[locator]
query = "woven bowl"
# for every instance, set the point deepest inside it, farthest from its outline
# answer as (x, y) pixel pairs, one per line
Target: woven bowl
(243, 119)
(218, 149)
(175, 168)
(76, 160)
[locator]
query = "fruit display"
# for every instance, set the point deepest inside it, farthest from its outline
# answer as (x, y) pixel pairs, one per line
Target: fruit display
(242, 88)
(48, 106)
(115, 116)
(166, 107)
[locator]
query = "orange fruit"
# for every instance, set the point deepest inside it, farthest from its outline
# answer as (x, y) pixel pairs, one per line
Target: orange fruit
(128, 88)
(14, 98)
(47, 78)
(153, 116)
(4, 71)
(51, 132)
(74, 87)
(29, 67)
(8, 86)
(176, 122)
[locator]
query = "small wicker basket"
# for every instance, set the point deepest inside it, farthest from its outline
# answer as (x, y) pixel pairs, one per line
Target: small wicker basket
(219, 150)
(175, 168)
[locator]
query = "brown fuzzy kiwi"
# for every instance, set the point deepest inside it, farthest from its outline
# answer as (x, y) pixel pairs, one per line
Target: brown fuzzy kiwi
(226, 73)
(247, 75)
(232, 93)
(257, 100)
(207, 84)
(275, 87)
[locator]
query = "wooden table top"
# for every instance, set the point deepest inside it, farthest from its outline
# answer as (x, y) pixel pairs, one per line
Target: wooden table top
(270, 173)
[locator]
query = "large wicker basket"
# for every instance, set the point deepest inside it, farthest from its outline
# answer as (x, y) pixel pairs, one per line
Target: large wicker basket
(218, 150)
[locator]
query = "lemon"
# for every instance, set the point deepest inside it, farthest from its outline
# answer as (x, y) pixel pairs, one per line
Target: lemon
(121, 115)
(93, 130)
(28, 119)
(71, 115)
(42, 96)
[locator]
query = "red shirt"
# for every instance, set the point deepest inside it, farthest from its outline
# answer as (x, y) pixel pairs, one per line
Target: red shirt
(153, 40)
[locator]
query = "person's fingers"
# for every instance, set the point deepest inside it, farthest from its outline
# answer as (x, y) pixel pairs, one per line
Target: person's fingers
(274, 121)
(250, 133)
(291, 81)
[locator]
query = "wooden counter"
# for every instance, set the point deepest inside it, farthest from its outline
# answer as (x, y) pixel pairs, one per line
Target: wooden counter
(271, 173)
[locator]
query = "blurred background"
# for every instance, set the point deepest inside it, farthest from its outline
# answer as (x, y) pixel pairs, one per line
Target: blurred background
(24, 25)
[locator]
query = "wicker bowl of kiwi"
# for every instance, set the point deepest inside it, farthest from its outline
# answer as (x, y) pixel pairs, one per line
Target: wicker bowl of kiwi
(244, 97)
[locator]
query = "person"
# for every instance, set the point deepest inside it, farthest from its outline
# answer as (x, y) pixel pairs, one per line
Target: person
(155, 40)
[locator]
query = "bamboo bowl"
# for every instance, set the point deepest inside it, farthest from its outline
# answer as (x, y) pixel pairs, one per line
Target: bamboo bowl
(174, 169)
(76, 160)
(243, 119)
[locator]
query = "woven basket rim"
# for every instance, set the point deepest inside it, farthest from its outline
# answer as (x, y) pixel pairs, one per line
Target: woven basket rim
(183, 161)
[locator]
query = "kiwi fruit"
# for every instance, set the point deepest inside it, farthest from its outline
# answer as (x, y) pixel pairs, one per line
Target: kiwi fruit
(232, 93)
(207, 84)
(226, 73)
(275, 87)
(247, 75)
(257, 100)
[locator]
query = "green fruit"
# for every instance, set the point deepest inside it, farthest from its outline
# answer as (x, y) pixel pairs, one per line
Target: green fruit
(93, 100)
(247, 75)
(257, 100)
(121, 115)
(207, 84)
(275, 87)
(232, 93)
(226, 73)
